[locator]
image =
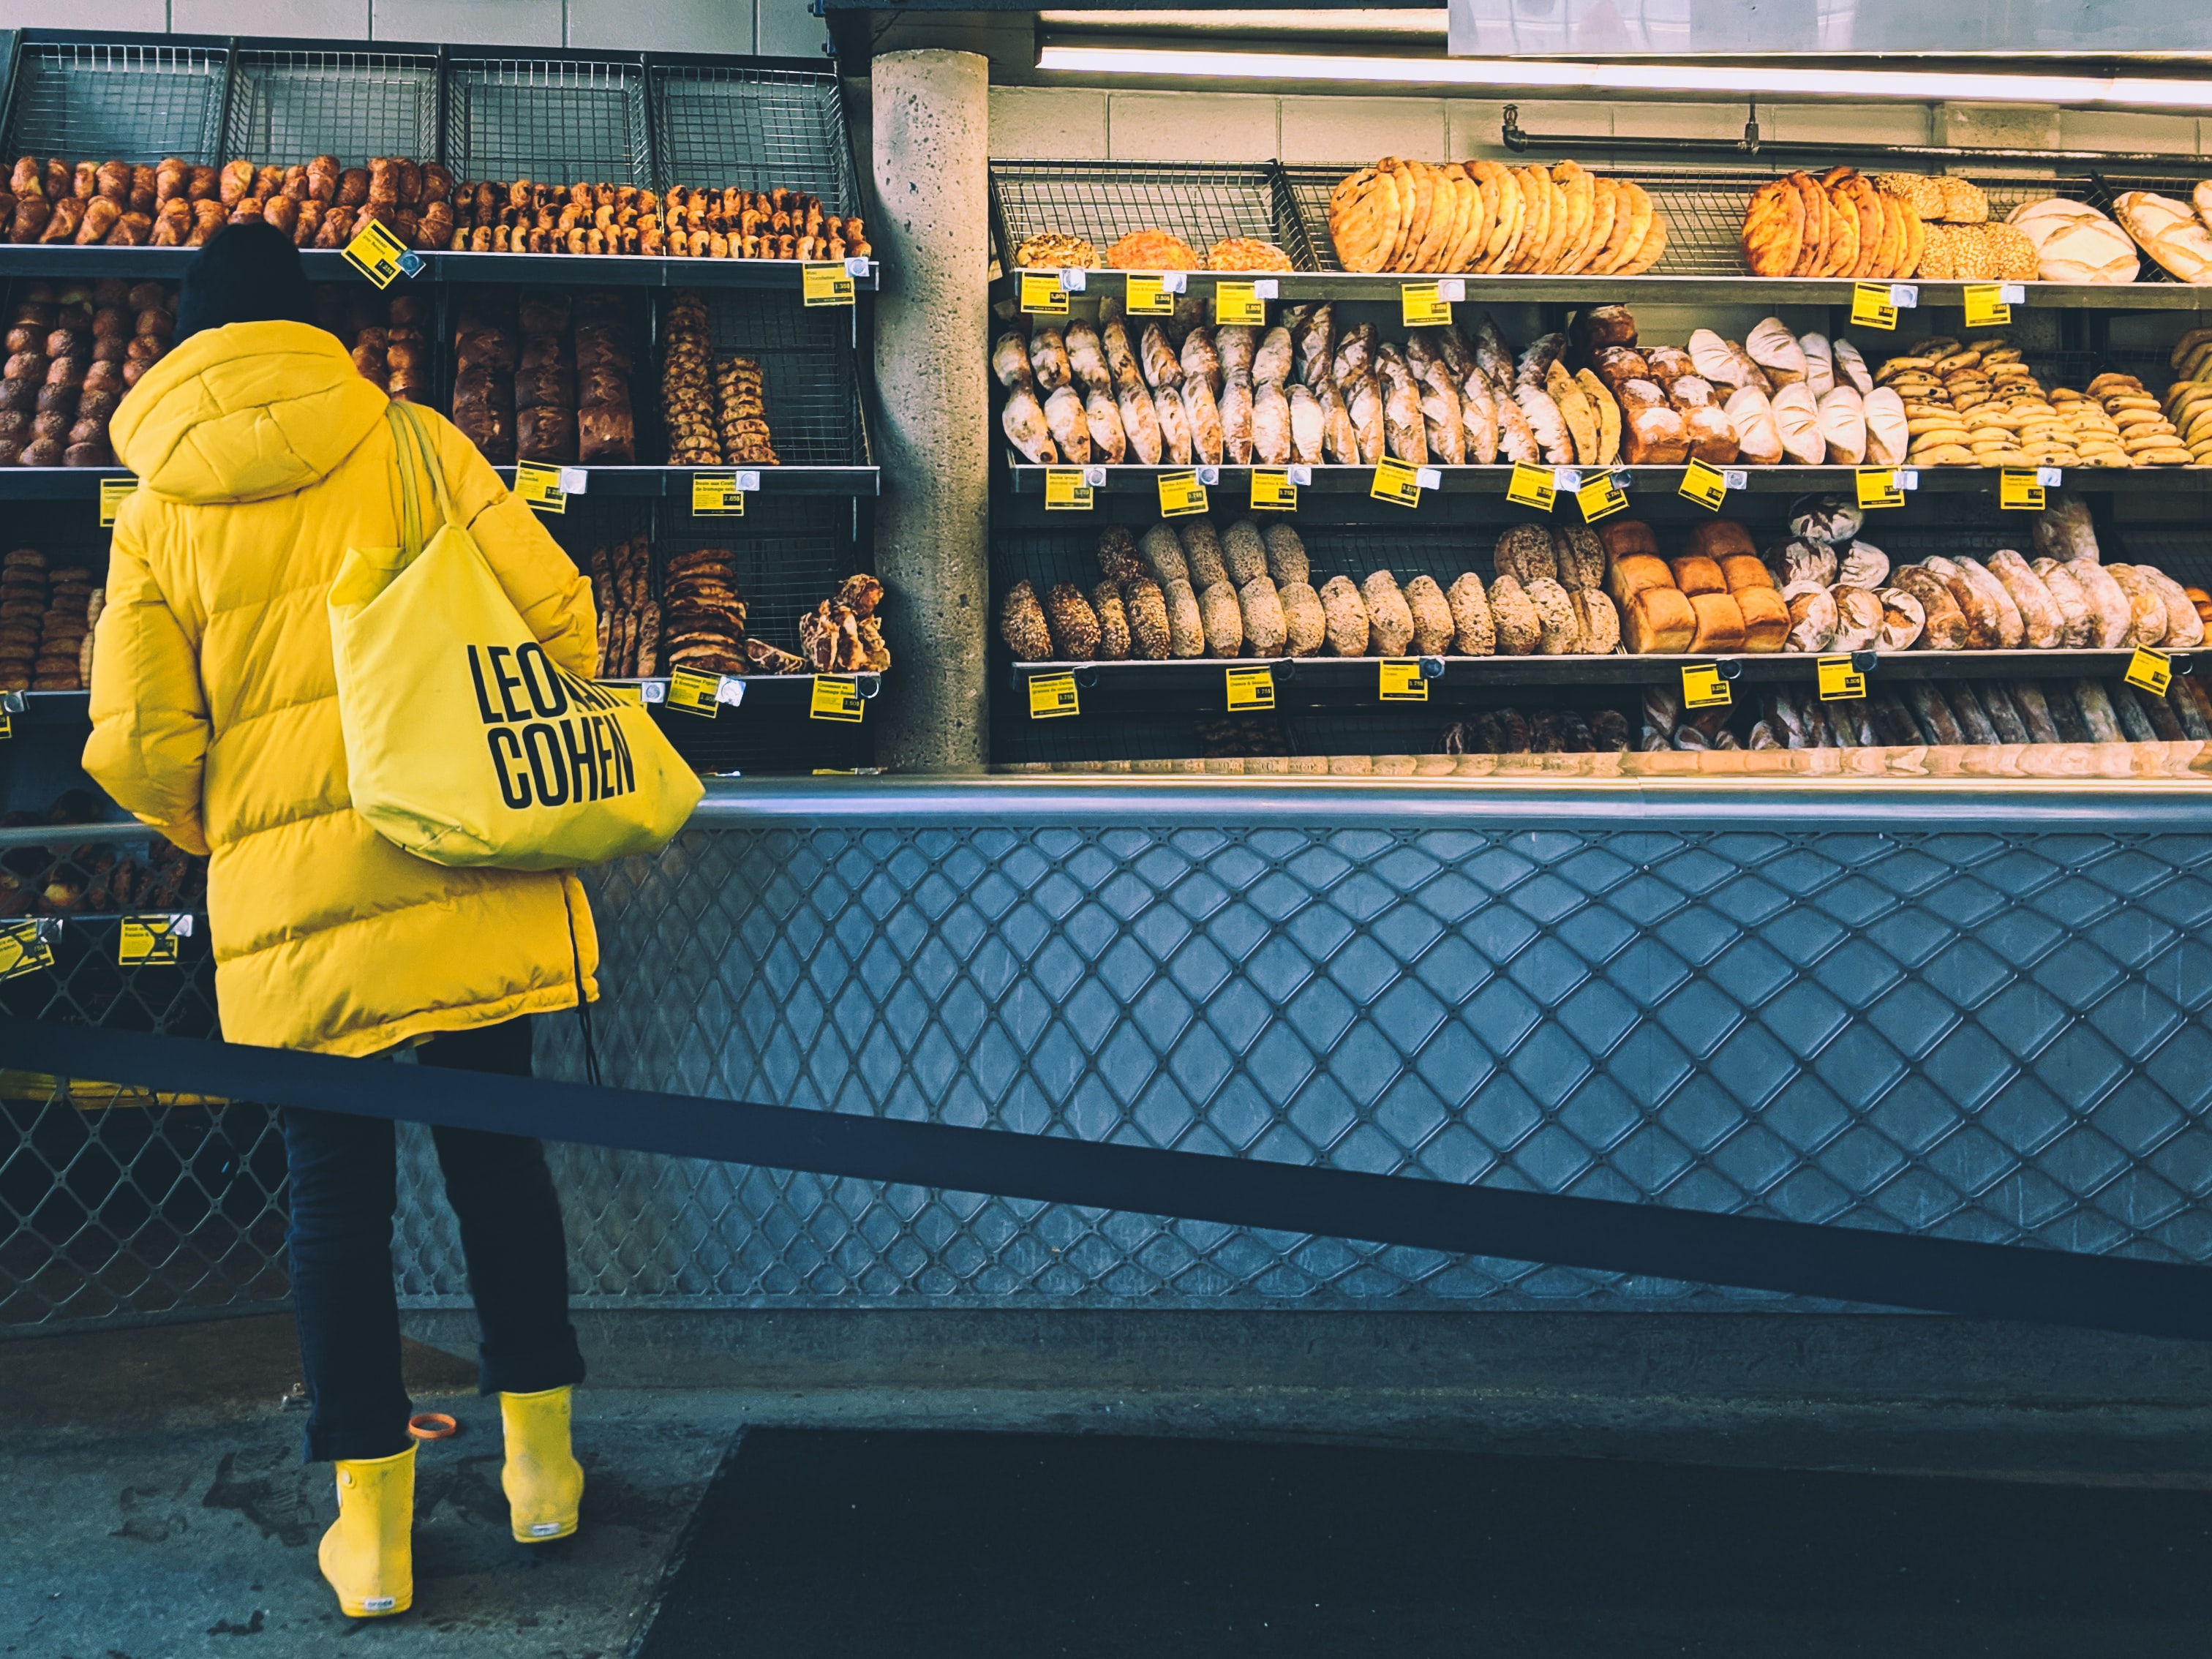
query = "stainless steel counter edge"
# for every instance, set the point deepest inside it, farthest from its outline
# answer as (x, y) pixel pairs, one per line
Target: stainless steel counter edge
(2162, 805)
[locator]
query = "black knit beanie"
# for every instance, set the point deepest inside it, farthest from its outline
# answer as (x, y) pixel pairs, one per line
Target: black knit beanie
(248, 273)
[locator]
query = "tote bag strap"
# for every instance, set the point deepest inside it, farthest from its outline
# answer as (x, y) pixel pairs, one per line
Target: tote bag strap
(410, 512)
(407, 428)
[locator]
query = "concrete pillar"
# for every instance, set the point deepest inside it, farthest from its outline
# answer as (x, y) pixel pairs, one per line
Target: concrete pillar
(932, 136)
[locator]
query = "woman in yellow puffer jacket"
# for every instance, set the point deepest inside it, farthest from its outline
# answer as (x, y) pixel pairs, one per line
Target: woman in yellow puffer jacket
(262, 456)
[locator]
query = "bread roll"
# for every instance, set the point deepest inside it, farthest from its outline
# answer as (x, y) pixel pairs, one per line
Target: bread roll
(1903, 620)
(2146, 603)
(1850, 367)
(2114, 613)
(1766, 620)
(1598, 622)
(1720, 623)
(1186, 624)
(1718, 539)
(1797, 417)
(1580, 556)
(1758, 439)
(1390, 618)
(1742, 570)
(1433, 630)
(1802, 559)
(1864, 565)
(1843, 427)
(1345, 615)
(2074, 243)
(2012, 628)
(1221, 620)
(1658, 620)
(1813, 616)
(1260, 612)
(1202, 552)
(1519, 629)
(1630, 573)
(1858, 619)
(1820, 363)
(1695, 573)
(1888, 438)
(1162, 553)
(1620, 537)
(1653, 437)
(1984, 615)
(1716, 362)
(1944, 626)
(1305, 625)
(2064, 529)
(1286, 555)
(1244, 552)
(2185, 627)
(1711, 435)
(1524, 553)
(1558, 632)
(2080, 620)
(2043, 623)
(1474, 630)
(1780, 353)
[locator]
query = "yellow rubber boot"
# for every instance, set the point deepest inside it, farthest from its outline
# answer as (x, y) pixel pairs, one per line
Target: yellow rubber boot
(369, 1553)
(543, 1480)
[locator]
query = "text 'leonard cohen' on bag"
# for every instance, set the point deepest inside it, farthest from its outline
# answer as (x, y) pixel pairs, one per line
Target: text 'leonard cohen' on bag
(562, 742)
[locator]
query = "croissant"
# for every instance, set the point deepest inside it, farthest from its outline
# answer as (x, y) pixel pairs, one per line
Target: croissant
(267, 181)
(437, 184)
(208, 217)
(353, 187)
(407, 176)
(84, 183)
(172, 176)
(236, 183)
(113, 180)
(30, 178)
(173, 223)
(206, 184)
(310, 222)
(145, 190)
(323, 179)
(332, 232)
(131, 230)
(60, 179)
(295, 183)
(282, 212)
(250, 209)
(68, 214)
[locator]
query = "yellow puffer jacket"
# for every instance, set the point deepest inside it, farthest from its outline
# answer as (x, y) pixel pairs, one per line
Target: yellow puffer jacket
(262, 456)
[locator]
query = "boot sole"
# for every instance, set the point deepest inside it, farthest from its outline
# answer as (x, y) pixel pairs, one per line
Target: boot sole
(399, 1605)
(522, 1537)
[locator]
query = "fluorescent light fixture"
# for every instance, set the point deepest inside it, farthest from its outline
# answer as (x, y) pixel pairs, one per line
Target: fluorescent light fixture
(1831, 81)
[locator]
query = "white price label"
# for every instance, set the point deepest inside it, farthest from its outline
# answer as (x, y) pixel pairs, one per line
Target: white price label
(1210, 476)
(1736, 477)
(1908, 477)
(1174, 282)
(1074, 278)
(1566, 479)
(1302, 475)
(1268, 288)
(2049, 477)
(2013, 293)
(1453, 288)
(573, 480)
(1428, 478)
(748, 484)
(1905, 296)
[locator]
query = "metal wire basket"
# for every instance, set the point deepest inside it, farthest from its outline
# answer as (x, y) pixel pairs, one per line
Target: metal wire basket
(558, 120)
(288, 107)
(806, 355)
(745, 127)
(102, 100)
(1103, 201)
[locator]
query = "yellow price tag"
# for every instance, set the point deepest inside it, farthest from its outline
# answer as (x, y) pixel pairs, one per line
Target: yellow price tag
(1601, 498)
(6, 726)
(1239, 302)
(1251, 688)
(1042, 294)
(1705, 484)
(1273, 491)
(1422, 305)
(2019, 487)
(1402, 682)
(716, 495)
(1872, 306)
(2150, 671)
(826, 285)
(1839, 681)
(696, 693)
(1181, 494)
(1053, 696)
(1397, 482)
(377, 255)
(1704, 687)
(1148, 296)
(1066, 490)
(114, 492)
(1985, 305)
(23, 948)
(836, 697)
(540, 487)
(147, 941)
(1530, 486)
(1878, 487)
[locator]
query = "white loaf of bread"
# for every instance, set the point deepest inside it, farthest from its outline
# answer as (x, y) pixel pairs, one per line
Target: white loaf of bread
(2074, 243)
(1776, 350)
(1759, 440)
(2169, 231)
(1820, 363)
(1797, 417)
(1843, 426)
(1888, 437)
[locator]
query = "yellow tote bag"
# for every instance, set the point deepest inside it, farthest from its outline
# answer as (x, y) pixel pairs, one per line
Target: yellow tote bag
(465, 743)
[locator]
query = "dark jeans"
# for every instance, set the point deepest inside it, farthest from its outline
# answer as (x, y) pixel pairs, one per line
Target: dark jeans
(344, 1186)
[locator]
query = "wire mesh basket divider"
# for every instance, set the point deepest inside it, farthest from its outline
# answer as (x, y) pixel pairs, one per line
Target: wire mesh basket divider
(811, 383)
(743, 127)
(786, 554)
(552, 120)
(1703, 208)
(102, 100)
(1104, 201)
(287, 107)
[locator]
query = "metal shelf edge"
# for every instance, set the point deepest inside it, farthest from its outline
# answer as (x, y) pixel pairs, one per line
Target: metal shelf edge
(64, 261)
(1335, 480)
(676, 480)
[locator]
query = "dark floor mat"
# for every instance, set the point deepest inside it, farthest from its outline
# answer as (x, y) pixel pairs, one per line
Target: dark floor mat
(985, 1546)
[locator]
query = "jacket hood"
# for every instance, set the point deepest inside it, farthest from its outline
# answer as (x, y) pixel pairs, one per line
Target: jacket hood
(244, 412)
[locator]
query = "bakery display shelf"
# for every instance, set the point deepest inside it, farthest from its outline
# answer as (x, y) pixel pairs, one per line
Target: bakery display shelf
(1235, 482)
(107, 96)
(1656, 288)
(1199, 682)
(47, 707)
(724, 123)
(675, 482)
(61, 261)
(1202, 203)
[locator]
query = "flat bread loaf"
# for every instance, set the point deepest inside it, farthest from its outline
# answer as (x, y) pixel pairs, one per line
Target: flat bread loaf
(2169, 231)
(2074, 243)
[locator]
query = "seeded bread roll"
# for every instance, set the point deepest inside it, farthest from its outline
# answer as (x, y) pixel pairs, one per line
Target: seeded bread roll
(1186, 624)
(1596, 621)
(1558, 632)
(1286, 555)
(1432, 617)
(1163, 554)
(1221, 620)
(1345, 616)
(1519, 629)
(1074, 625)
(1473, 631)
(1244, 552)
(1118, 555)
(1305, 625)
(1146, 606)
(1201, 550)
(1112, 622)
(1022, 625)
(1524, 553)
(1266, 627)
(1390, 618)
(1580, 555)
